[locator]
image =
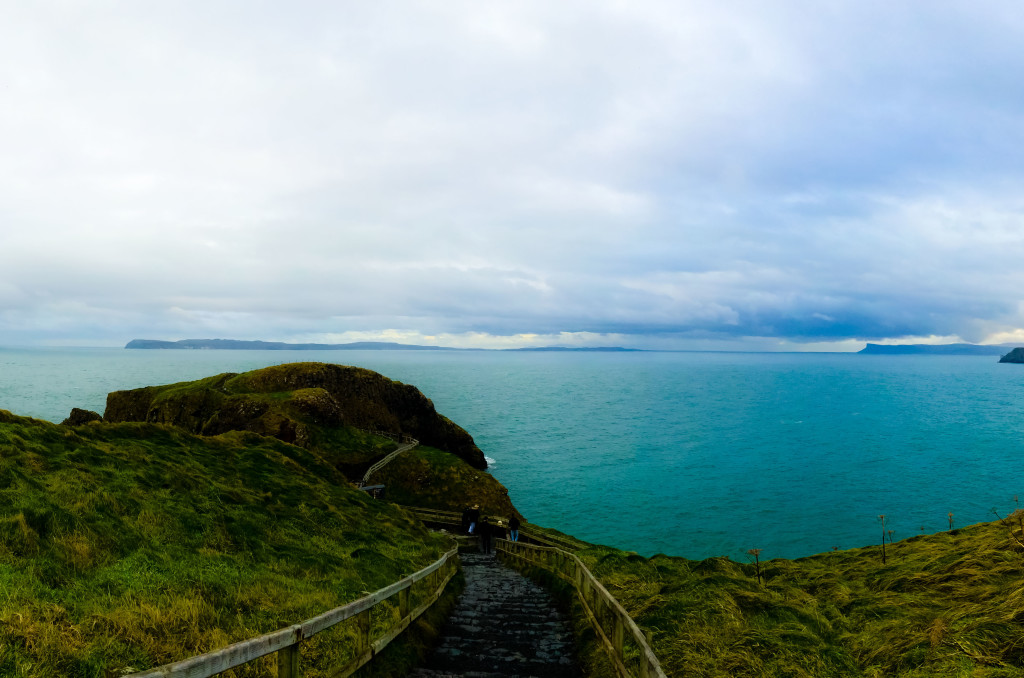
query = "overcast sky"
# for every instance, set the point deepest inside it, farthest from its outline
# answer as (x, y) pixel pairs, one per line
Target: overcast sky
(679, 174)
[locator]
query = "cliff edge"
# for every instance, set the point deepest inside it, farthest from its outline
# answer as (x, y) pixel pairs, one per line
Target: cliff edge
(300, 403)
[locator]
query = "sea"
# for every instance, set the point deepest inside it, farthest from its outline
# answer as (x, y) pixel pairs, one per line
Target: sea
(686, 454)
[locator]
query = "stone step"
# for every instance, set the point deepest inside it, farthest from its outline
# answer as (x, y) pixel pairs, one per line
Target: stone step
(503, 625)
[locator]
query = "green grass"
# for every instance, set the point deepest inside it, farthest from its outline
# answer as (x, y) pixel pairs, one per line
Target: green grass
(132, 545)
(318, 406)
(948, 604)
(432, 478)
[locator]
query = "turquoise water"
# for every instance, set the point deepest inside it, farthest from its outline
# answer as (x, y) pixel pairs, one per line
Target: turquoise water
(693, 454)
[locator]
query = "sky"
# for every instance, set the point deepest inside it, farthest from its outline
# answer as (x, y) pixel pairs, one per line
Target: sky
(714, 174)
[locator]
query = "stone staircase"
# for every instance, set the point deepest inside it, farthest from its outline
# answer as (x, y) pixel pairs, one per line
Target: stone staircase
(503, 625)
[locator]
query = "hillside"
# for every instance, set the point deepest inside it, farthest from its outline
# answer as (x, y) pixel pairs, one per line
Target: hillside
(301, 403)
(327, 409)
(134, 544)
(947, 604)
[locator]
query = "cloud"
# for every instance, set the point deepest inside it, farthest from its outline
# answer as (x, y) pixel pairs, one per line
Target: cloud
(663, 172)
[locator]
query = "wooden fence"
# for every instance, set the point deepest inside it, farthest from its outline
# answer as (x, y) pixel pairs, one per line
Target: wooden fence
(397, 437)
(404, 447)
(287, 642)
(627, 645)
(454, 520)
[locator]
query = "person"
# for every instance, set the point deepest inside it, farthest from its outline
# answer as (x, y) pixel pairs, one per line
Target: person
(465, 520)
(513, 528)
(486, 530)
(474, 517)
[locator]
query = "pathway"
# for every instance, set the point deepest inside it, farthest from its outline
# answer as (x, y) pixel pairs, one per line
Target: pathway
(383, 462)
(503, 625)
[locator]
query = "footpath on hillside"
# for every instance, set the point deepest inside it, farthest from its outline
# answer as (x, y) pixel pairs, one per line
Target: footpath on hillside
(503, 625)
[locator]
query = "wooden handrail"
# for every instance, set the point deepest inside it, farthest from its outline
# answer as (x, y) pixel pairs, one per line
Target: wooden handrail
(397, 437)
(455, 519)
(606, 614)
(287, 642)
(412, 442)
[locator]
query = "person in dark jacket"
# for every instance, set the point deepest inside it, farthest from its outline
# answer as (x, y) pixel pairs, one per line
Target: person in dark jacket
(486, 531)
(465, 520)
(474, 518)
(513, 528)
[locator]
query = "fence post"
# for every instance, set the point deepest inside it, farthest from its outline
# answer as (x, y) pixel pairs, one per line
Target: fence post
(288, 662)
(362, 631)
(403, 602)
(645, 666)
(617, 633)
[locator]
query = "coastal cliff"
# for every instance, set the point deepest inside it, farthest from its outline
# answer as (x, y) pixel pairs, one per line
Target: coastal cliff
(1014, 356)
(300, 403)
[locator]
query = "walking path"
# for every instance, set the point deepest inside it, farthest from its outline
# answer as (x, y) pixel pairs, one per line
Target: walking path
(503, 625)
(383, 462)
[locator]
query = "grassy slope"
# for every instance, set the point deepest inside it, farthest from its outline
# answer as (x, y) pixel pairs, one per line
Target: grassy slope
(435, 479)
(342, 445)
(130, 545)
(260, 401)
(949, 604)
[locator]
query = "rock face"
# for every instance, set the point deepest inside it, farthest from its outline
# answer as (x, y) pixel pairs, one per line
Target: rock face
(295, 403)
(1014, 356)
(79, 417)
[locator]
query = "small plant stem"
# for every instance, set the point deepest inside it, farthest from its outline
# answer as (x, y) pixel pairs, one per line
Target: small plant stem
(882, 518)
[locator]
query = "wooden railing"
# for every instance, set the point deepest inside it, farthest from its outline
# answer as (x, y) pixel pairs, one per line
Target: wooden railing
(397, 437)
(613, 624)
(453, 519)
(405, 447)
(287, 642)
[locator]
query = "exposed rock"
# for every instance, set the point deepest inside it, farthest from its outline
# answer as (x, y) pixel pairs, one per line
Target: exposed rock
(318, 405)
(1014, 356)
(79, 417)
(290, 401)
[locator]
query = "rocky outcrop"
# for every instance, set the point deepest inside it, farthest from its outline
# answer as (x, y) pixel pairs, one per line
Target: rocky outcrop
(79, 417)
(1014, 356)
(294, 403)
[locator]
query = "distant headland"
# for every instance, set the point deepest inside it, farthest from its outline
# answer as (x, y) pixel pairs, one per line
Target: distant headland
(936, 349)
(246, 345)
(1014, 356)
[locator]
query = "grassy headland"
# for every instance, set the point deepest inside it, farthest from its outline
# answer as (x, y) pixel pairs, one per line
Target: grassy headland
(327, 410)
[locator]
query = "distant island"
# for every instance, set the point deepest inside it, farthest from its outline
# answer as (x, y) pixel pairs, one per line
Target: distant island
(1014, 356)
(935, 349)
(246, 345)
